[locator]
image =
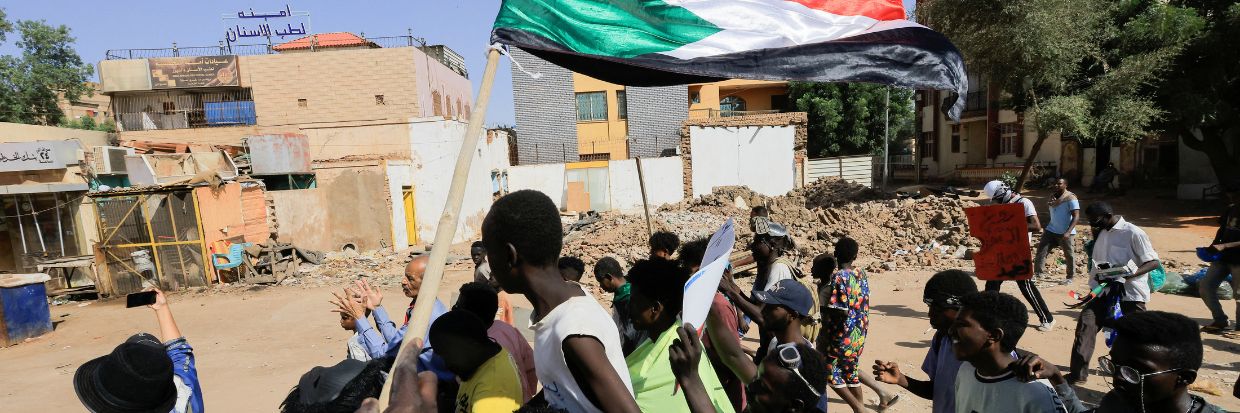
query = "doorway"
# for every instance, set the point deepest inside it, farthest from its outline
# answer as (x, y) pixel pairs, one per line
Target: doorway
(411, 223)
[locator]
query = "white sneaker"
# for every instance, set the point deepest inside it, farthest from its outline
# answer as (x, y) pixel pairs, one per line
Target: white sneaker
(1044, 327)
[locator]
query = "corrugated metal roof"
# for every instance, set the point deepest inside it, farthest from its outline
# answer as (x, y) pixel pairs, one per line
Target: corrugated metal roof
(335, 39)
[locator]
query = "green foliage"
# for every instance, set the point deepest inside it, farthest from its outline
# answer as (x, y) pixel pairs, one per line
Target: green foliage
(31, 84)
(847, 118)
(1008, 178)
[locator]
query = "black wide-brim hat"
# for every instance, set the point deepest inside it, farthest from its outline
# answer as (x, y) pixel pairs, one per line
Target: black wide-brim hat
(135, 378)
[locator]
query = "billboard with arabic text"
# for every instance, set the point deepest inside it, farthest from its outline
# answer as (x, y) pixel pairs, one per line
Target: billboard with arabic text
(37, 155)
(199, 71)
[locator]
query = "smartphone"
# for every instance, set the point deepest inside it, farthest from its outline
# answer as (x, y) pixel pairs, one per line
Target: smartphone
(139, 299)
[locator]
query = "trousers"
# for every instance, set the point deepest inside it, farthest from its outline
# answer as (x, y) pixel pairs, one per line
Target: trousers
(1032, 295)
(1052, 240)
(1092, 319)
(1208, 287)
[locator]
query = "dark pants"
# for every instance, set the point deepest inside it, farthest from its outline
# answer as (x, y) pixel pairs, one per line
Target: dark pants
(1092, 319)
(1032, 295)
(1052, 240)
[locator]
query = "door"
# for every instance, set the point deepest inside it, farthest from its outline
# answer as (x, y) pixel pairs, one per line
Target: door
(411, 223)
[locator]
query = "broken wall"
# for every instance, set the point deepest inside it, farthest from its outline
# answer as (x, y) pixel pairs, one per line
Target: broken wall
(436, 144)
(345, 208)
(663, 183)
(764, 152)
(547, 178)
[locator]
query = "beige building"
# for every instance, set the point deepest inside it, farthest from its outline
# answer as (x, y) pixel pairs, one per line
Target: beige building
(96, 106)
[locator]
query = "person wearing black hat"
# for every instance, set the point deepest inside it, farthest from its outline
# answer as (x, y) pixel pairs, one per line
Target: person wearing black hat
(143, 374)
(1226, 245)
(339, 388)
(488, 376)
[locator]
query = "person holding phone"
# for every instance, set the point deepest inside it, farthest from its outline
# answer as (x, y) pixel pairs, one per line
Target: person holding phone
(144, 373)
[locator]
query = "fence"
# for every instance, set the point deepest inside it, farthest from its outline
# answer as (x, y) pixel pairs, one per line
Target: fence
(165, 224)
(718, 113)
(184, 109)
(858, 169)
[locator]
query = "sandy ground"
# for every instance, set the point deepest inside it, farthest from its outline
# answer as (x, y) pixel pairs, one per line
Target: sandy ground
(252, 345)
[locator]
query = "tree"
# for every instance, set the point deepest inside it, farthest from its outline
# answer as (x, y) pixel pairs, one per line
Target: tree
(1201, 92)
(847, 118)
(32, 84)
(1080, 67)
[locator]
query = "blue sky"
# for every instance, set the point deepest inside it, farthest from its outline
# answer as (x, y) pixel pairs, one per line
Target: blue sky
(463, 25)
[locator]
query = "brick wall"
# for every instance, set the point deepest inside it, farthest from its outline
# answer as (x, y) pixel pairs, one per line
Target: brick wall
(546, 111)
(655, 116)
(797, 119)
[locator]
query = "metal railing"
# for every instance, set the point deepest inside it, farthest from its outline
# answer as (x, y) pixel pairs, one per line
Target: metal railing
(975, 101)
(711, 113)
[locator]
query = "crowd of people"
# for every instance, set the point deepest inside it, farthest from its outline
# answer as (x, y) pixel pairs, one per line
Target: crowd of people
(642, 356)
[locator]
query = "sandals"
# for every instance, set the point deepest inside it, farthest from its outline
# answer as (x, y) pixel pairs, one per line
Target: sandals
(890, 402)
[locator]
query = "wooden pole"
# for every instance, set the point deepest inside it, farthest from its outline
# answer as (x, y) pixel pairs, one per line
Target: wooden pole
(641, 181)
(446, 230)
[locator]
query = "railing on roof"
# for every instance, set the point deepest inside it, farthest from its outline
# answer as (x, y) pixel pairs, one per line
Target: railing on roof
(717, 113)
(223, 49)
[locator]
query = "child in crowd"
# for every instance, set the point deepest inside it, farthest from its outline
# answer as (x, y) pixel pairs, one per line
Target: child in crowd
(658, 292)
(577, 347)
(722, 340)
(663, 244)
(848, 308)
(610, 277)
(356, 348)
(1155, 357)
(339, 388)
(943, 293)
(488, 376)
(482, 273)
(822, 271)
(482, 301)
(986, 331)
(571, 268)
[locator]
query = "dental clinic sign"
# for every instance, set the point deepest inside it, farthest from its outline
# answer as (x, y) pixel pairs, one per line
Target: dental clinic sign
(37, 155)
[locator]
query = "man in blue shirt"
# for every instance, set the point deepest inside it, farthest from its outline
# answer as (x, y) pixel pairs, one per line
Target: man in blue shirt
(1065, 212)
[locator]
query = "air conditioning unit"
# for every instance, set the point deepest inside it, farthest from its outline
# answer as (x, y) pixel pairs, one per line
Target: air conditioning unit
(110, 160)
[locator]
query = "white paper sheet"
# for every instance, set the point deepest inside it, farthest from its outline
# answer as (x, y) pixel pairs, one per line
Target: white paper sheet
(701, 287)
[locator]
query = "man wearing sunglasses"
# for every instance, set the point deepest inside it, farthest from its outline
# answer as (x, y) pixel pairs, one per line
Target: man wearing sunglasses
(1122, 252)
(1153, 360)
(791, 378)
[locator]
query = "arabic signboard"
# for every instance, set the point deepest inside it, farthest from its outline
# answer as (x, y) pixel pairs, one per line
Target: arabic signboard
(200, 71)
(34, 156)
(263, 28)
(1005, 251)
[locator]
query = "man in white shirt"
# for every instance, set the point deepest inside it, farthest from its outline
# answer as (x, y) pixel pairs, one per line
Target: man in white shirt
(999, 193)
(1118, 244)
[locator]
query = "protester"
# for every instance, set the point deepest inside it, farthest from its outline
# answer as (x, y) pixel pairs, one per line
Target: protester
(1227, 245)
(610, 277)
(1119, 245)
(986, 331)
(1104, 180)
(943, 293)
(356, 349)
(999, 193)
(791, 380)
(722, 340)
(1065, 212)
(482, 271)
(848, 308)
(143, 373)
(1154, 359)
(663, 244)
(571, 268)
(577, 347)
(482, 301)
(488, 376)
(337, 389)
(658, 292)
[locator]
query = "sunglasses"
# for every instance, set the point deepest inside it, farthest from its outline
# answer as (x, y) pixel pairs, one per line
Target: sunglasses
(1125, 373)
(790, 358)
(944, 301)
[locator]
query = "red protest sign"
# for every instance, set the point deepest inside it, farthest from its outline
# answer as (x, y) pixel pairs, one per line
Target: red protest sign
(1004, 234)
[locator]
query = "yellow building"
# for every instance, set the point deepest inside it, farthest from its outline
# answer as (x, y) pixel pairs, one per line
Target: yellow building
(603, 110)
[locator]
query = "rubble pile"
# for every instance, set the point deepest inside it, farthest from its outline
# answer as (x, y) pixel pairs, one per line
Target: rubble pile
(893, 232)
(381, 267)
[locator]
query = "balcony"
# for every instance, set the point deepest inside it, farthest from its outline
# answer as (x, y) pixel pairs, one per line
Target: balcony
(166, 110)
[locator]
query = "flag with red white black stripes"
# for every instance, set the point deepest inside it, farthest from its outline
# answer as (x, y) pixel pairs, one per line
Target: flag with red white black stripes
(665, 42)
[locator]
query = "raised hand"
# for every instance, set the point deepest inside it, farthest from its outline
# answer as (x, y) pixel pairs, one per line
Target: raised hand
(371, 297)
(345, 304)
(889, 372)
(685, 352)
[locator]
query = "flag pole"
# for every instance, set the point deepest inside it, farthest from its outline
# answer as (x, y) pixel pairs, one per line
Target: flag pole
(446, 230)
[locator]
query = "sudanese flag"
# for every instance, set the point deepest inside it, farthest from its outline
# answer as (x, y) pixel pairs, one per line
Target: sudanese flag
(667, 42)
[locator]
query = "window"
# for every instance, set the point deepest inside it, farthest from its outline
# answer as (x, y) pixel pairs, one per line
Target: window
(622, 104)
(696, 97)
(591, 106)
(731, 104)
(379, 100)
(927, 145)
(780, 103)
(436, 103)
(301, 103)
(1009, 139)
(956, 138)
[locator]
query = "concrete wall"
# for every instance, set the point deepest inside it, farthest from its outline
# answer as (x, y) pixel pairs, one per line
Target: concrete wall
(546, 178)
(16, 132)
(546, 111)
(654, 122)
(435, 79)
(760, 157)
(435, 148)
(399, 177)
(663, 183)
(345, 207)
(1196, 174)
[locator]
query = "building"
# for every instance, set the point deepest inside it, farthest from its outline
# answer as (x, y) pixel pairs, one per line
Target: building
(564, 116)
(380, 121)
(44, 177)
(96, 106)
